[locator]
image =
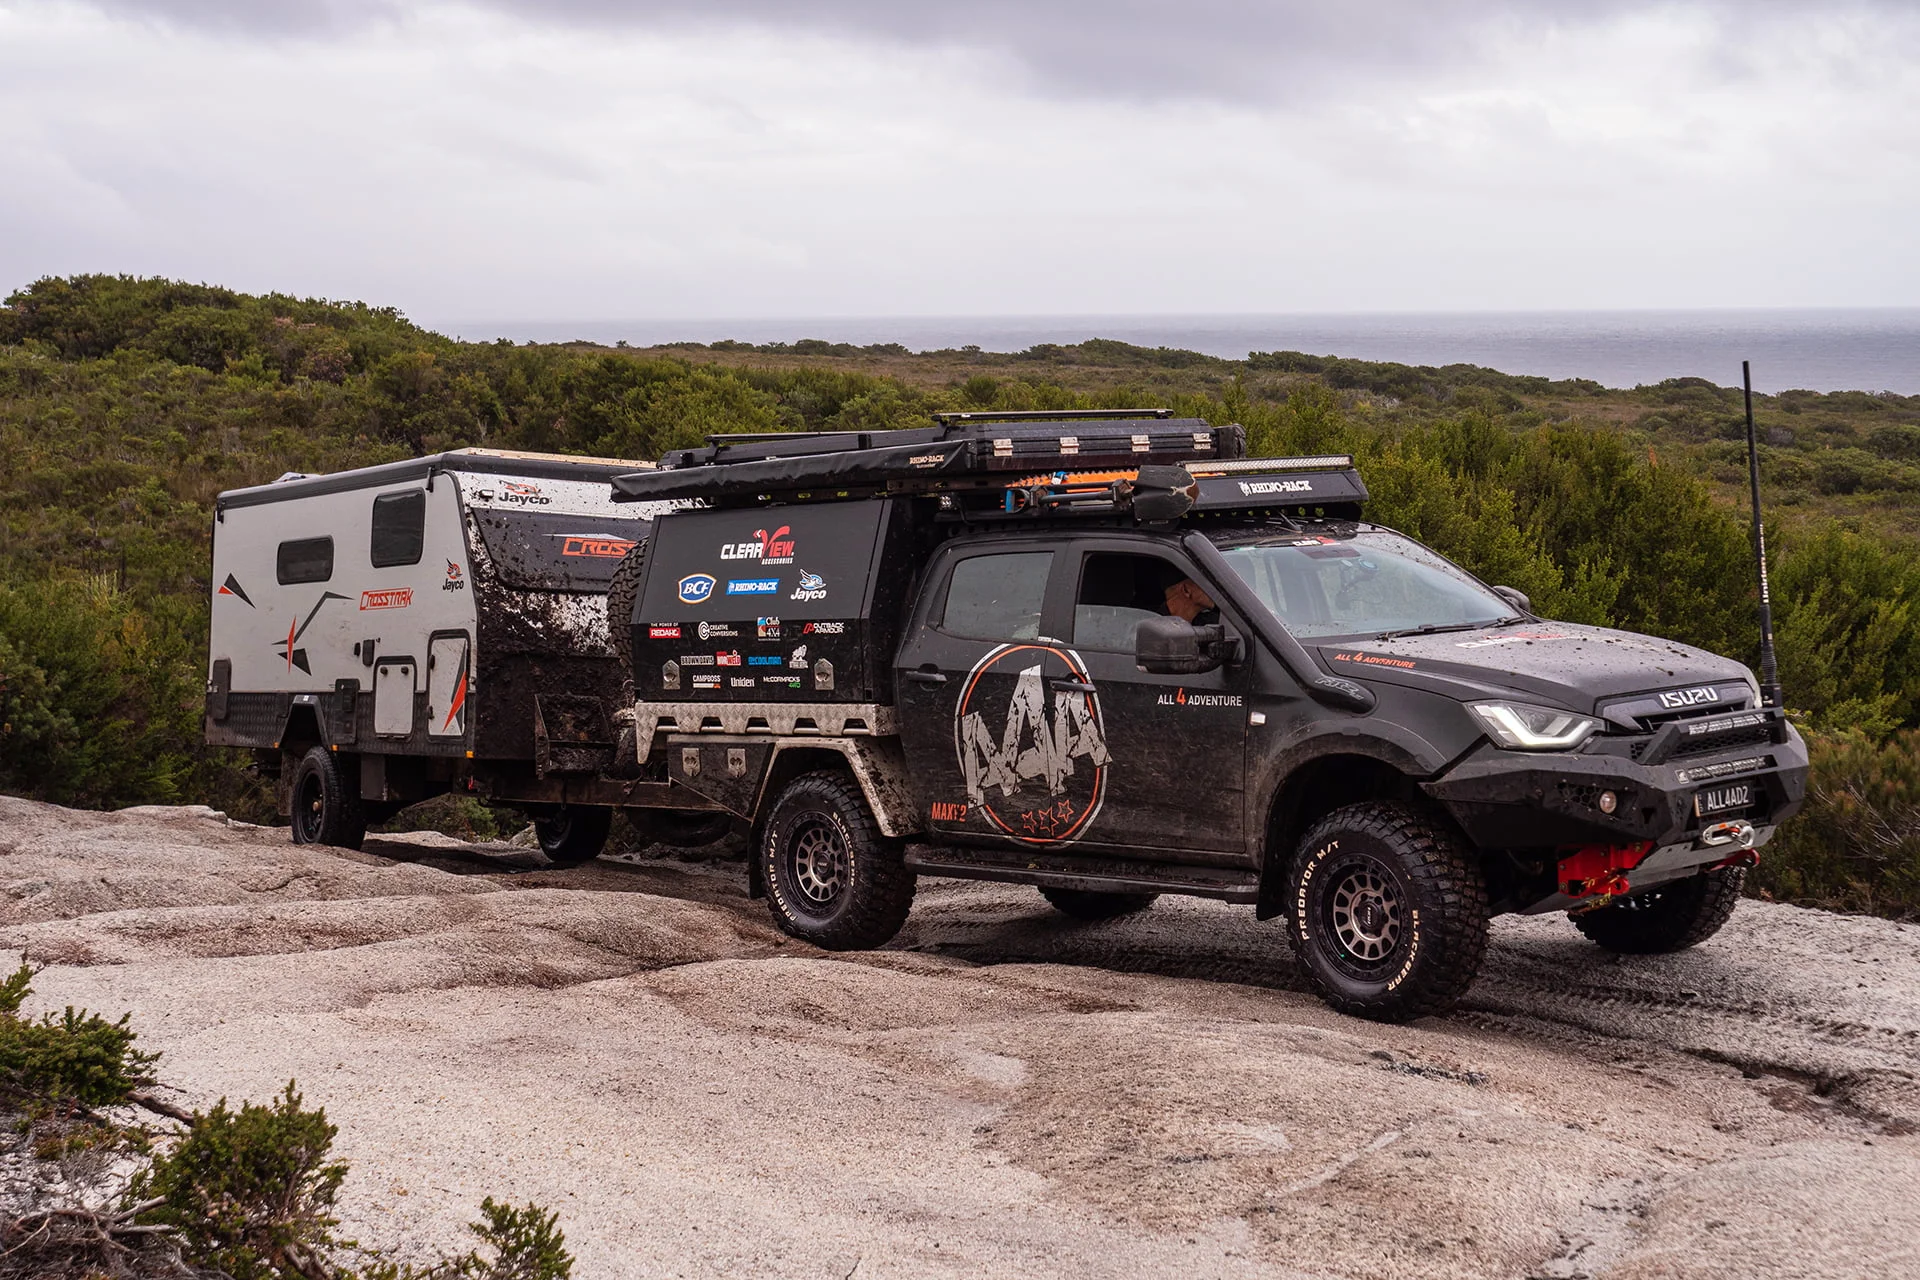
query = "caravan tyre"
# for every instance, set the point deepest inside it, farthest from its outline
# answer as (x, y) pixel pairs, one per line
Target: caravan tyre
(326, 802)
(832, 879)
(572, 834)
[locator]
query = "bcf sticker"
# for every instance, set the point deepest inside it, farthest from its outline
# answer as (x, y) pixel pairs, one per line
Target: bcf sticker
(696, 587)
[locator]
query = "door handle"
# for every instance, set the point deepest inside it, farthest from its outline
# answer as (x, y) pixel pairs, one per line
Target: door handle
(1065, 685)
(926, 677)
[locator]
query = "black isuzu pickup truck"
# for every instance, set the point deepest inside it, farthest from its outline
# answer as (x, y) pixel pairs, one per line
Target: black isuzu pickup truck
(1109, 656)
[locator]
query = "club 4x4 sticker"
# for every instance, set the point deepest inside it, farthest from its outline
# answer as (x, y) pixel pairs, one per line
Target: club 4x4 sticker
(1033, 754)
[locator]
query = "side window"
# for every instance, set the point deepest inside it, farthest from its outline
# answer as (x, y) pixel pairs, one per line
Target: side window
(1117, 592)
(998, 597)
(399, 528)
(304, 560)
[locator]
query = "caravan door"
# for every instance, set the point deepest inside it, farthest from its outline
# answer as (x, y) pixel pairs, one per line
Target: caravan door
(449, 680)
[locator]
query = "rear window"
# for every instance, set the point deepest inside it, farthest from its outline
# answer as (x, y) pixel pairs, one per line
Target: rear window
(304, 560)
(998, 597)
(399, 528)
(541, 551)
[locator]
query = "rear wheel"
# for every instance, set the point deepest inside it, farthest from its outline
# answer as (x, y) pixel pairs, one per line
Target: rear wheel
(1669, 917)
(831, 877)
(571, 834)
(1388, 914)
(1085, 904)
(326, 805)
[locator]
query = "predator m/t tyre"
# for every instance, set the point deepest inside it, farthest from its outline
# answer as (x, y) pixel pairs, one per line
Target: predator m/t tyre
(1084, 904)
(572, 834)
(623, 593)
(1668, 917)
(1387, 913)
(832, 879)
(326, 805)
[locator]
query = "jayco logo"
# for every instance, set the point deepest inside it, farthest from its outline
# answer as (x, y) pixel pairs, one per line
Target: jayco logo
(812, 587)
(517, 494)
(768, 548)
(1022, 768)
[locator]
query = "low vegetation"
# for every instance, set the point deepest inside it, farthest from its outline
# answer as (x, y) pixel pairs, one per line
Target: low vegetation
(226, 1194)
(126, 405)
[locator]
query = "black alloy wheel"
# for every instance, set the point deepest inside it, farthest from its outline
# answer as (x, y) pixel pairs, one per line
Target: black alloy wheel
(1667, 918)
(572, 834)
(1388, 914)
(831, 877)
(326, 807)
(1086, 904)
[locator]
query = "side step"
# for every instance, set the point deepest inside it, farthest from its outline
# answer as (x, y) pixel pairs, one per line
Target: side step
(1096, 875)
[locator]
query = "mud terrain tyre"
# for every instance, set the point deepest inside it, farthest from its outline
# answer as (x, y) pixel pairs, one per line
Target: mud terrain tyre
(832, 879)
(1386, 912)
(572, 834)
(326, 804)
(1668, 917)
(623, 592)
(1085, 904)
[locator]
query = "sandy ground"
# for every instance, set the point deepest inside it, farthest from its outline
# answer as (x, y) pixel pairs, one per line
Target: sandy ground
(1003, 1092)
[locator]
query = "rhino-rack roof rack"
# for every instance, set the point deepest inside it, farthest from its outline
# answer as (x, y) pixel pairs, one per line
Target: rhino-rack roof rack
(962, 451)
(1265, 488)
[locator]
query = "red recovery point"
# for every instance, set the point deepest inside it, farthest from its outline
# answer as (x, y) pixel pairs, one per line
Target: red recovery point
(1600, 868)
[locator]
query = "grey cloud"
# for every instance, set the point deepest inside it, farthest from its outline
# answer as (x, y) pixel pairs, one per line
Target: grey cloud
(1254, 51)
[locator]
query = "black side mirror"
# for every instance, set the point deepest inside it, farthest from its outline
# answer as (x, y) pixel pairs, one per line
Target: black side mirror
(1518, 599)
(1175, 647)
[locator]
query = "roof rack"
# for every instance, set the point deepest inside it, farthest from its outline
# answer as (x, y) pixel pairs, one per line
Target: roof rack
(961, 452)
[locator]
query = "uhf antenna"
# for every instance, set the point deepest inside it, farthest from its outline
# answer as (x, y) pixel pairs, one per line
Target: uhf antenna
(1769, 669)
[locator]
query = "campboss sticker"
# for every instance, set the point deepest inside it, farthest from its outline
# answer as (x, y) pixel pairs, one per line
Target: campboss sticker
(1034, 759)
(391, 598)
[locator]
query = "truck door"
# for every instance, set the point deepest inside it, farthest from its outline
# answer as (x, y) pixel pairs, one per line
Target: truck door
(1178, 743)
(997, 718)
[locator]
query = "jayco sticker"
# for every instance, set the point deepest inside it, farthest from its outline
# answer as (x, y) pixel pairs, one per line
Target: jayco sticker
(1034, 760)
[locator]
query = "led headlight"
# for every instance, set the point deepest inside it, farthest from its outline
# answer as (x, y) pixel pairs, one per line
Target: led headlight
(1523, 728)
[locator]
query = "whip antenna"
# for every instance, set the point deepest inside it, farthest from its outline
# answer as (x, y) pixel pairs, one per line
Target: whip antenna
(1769, 669)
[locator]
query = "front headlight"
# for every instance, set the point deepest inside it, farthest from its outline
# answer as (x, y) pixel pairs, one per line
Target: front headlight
(1523, 728)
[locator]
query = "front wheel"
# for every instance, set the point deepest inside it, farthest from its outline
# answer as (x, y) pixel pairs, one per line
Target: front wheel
(572, 834)
(326, 802)
(832, 879)
(1388, 914)
(1670, 917)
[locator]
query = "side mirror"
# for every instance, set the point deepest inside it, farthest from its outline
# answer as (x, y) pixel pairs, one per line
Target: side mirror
(1518, 599)
(1175, 647)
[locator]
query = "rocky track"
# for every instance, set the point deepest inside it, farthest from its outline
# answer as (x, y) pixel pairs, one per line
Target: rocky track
(1003, 1091)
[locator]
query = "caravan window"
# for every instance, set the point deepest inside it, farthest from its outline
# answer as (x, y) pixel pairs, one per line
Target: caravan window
(304, 560)
(399, 528)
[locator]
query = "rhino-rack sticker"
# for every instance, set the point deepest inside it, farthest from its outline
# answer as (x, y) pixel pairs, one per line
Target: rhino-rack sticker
(753, 586)
(391, 598)
(1029, 753)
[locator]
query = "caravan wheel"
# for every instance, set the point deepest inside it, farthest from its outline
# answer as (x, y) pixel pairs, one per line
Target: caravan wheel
(326, 805)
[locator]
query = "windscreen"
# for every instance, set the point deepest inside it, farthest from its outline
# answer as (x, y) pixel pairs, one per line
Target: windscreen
(1359, 583)
(543, 551)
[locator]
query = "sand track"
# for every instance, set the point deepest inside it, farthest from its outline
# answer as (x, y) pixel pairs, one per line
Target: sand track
(1002, 1092)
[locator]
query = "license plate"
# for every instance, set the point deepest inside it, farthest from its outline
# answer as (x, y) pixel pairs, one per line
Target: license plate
(1722, 799)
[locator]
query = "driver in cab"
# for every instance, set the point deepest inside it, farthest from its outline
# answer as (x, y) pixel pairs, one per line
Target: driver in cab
(1186, 600)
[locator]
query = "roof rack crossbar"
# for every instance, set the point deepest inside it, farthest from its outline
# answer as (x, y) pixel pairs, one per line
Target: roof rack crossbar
(1047, 415)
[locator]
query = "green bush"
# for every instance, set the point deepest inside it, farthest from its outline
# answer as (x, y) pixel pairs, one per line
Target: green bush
(1856, 845)
(250, 1192)
(59, 1063)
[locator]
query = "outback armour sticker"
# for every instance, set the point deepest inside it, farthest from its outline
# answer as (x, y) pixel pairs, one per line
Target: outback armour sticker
(1020, 757)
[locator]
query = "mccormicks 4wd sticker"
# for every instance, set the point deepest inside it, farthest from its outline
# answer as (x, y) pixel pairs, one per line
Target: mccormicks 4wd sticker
(1032, 751)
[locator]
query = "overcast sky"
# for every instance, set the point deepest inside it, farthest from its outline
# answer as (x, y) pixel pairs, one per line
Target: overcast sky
(579, 159)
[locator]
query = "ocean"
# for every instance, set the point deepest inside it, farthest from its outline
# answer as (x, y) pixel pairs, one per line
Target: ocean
(1831, 349)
